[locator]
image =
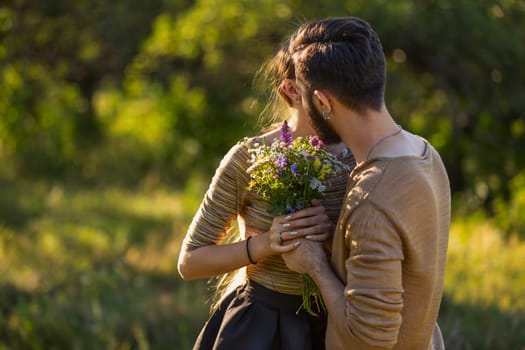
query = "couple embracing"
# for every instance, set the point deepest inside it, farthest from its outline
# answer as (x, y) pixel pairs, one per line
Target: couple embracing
(387, 221)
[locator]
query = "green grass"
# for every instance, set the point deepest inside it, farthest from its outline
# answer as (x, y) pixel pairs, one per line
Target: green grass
(484, 305)
(95, 268)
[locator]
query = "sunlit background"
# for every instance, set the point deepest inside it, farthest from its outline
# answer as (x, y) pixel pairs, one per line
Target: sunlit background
(114, 115)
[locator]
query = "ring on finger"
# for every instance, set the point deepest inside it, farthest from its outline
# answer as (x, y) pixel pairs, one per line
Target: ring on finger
(281, 238)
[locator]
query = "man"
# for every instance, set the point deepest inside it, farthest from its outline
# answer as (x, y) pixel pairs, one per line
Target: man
(389, 248)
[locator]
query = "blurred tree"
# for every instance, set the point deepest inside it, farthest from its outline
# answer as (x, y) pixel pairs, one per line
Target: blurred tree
(181, 89)
(53, 56)
(200, 63)
(454, 72)
(461, 62)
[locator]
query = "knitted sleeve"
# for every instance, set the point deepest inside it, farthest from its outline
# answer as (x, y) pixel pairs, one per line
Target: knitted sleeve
(222, 201)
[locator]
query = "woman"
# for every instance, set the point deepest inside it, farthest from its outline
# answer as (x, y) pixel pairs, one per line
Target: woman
(261, 313)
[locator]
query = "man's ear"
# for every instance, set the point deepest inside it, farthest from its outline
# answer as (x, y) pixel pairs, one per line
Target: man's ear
(323, 102)
(289, 88)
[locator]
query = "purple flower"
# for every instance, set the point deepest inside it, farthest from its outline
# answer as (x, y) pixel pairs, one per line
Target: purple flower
(293, 168)
(316, 142)
(290, 208)
(281, 161)
(286, 137)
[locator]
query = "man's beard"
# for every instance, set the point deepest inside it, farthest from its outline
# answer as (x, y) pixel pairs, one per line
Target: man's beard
(324, 130)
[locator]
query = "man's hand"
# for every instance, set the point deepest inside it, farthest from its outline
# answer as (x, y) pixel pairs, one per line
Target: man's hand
(307, 256)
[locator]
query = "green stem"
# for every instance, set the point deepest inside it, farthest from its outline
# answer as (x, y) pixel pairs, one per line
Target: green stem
(311, 291)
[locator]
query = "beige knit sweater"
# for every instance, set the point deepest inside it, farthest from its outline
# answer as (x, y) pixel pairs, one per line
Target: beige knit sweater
(390, 249)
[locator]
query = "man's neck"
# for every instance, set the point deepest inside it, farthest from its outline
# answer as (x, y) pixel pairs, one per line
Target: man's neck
(360, 132)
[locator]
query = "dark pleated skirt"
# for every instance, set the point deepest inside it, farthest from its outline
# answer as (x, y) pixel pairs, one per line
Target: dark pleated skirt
(256, 318)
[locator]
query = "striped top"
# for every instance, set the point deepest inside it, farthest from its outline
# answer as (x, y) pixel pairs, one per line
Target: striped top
(228, 199)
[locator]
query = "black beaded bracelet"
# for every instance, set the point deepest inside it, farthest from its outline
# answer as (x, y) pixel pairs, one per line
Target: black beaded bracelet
(248, 250)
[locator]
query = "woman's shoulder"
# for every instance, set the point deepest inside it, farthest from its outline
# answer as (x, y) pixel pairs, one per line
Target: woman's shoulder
(252, 141)
(267, 138)
(239, 152)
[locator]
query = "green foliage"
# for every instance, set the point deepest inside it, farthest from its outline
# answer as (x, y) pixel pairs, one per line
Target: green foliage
(44, 132)
(53, 57)
(152, 125)
(454, 76)
(510, 214)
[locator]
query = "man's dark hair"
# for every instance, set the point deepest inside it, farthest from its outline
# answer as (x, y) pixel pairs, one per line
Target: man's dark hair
(343, 56)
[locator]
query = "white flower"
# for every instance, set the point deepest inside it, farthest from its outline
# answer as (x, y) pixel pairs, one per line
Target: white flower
(315, 184)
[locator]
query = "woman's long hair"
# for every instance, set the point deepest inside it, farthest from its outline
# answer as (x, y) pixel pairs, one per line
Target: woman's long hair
(268, 78)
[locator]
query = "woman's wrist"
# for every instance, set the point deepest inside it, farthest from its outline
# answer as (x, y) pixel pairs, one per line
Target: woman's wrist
(259, 246)
(248, 253)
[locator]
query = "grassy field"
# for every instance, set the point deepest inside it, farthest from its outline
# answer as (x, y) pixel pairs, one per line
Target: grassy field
(95, 268)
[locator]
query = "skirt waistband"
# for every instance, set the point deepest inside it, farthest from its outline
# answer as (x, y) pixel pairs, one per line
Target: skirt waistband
(272, 298)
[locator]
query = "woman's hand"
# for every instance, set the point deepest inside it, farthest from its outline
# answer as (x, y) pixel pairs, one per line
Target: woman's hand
(311, 223)
(283, 236)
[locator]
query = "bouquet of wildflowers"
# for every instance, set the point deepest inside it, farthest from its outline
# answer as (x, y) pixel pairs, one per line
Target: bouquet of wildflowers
(288, 174)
